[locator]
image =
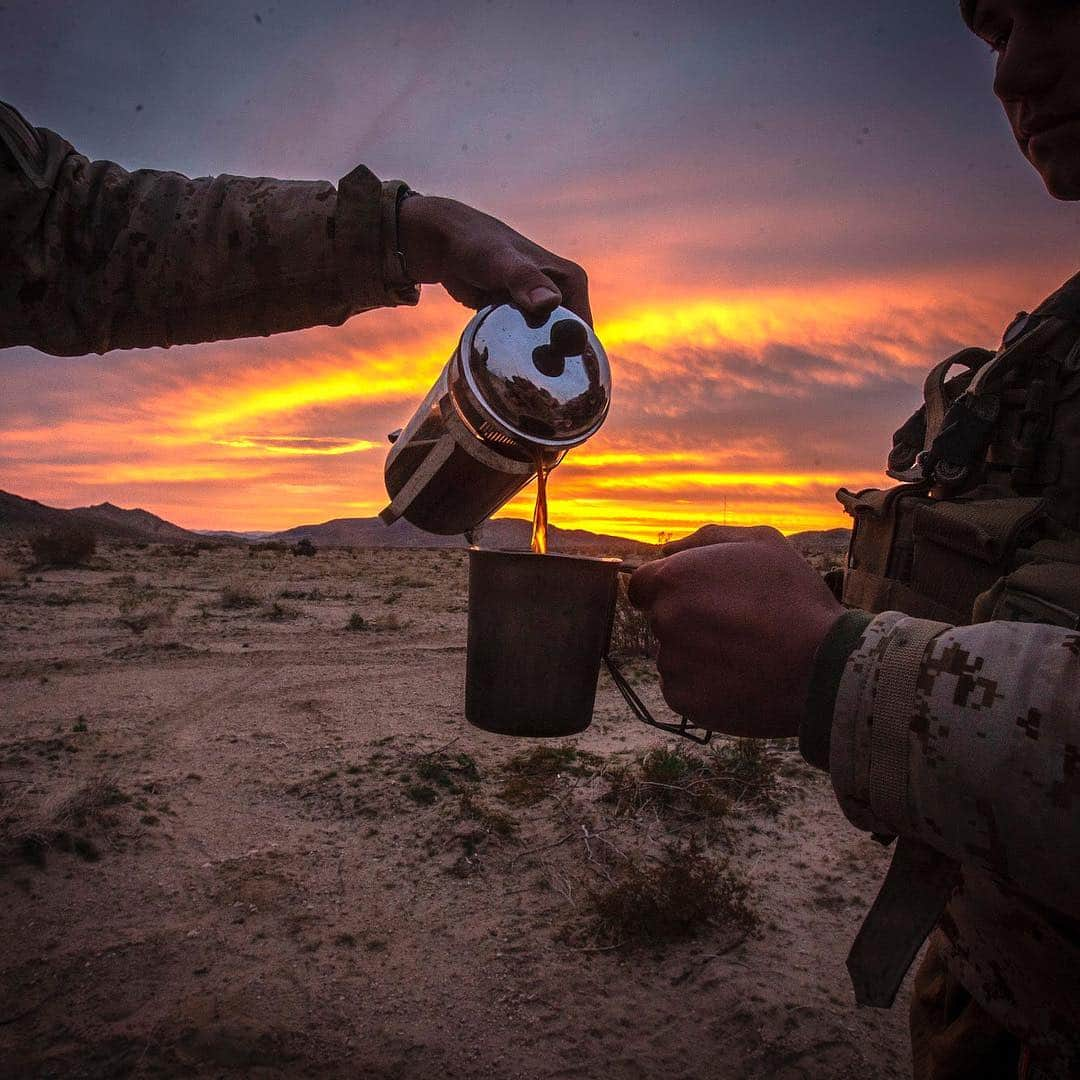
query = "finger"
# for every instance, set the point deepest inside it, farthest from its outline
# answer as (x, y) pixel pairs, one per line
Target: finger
(644, 584)
(470, 295)
(532, 290)
(676, 686)
(723, 534)
(574, 285)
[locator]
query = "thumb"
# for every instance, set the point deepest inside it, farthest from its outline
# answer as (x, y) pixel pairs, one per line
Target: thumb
(708, 535)
(532, 290)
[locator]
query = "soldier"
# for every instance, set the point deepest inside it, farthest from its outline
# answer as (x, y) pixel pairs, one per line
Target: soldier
(93, 257)
(944, 697)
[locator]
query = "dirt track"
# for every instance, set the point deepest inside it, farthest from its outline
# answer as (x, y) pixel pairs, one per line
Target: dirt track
(275, 861)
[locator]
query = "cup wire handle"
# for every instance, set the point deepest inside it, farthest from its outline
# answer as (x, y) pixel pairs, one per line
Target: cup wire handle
(638, 707)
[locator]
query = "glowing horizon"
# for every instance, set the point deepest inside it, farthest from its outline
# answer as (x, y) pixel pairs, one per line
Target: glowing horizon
(287, 441)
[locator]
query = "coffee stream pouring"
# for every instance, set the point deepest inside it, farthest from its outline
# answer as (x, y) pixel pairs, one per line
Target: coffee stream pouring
(514, 395)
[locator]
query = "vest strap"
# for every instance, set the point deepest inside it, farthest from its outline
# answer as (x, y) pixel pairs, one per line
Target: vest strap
(907, 908)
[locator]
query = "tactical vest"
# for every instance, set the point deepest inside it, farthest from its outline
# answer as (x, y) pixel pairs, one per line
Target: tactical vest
(986, 523)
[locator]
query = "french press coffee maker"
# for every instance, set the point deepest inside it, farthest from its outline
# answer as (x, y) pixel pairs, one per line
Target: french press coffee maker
(515, 394)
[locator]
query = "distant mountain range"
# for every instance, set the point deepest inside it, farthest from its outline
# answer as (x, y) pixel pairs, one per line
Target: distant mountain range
(21, 518)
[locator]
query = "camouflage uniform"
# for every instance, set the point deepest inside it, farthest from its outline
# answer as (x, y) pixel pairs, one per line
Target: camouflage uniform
(964, 740)
(93, 257)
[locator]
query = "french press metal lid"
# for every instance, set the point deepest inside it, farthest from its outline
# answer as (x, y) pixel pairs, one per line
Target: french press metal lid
(545, 384)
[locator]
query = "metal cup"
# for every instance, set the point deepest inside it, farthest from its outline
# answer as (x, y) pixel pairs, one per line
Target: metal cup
(538, 629)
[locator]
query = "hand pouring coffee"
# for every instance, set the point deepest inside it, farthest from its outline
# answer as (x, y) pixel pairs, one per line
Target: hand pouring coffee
(514, 397)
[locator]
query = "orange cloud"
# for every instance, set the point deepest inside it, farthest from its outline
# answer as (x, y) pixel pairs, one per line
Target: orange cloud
(715, 397)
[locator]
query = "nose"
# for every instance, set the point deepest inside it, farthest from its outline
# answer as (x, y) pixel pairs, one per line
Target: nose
(1030, 64)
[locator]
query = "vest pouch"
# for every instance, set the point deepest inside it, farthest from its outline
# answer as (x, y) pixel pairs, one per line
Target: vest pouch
(962, 547)
(882, 550)
(1041, 592)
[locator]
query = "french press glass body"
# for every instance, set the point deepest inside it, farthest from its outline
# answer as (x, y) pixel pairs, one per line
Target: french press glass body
(514, 394)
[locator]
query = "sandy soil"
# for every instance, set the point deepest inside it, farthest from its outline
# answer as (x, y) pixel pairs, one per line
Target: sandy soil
(243, 841)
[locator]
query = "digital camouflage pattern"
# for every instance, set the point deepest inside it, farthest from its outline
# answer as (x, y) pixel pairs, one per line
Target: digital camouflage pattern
(94, 257)
(991, 759)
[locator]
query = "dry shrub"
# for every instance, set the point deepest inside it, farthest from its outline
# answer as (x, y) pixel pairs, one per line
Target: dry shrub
(278, 612)
(302, 594)
(149, 617)
(404, 581)
(532, 774)
(490, 819)
(65, 545)
(10, 574)
(358, 621)
(54, 823)
(749, 770)
(267, 546)
(238, 595)
(631, 634)
(696, 784)
(673, 897)
(449, 771)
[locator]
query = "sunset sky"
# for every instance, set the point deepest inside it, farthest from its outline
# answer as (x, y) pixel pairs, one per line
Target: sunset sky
(788, 212)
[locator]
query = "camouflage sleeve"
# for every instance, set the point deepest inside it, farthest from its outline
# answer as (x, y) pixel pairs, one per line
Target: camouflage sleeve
(968, 739)
(93, 257)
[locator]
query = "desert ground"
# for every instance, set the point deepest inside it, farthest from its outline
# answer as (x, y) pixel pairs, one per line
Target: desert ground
(245, 830)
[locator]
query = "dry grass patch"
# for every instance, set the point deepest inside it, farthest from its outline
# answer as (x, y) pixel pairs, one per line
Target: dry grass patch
(58, 822)
(359, 621)
(490, 819)
(699, 785)
(533, 774)
(238, 595)
(678, 895)
(10, 574)
(150, 616)
(278, 612)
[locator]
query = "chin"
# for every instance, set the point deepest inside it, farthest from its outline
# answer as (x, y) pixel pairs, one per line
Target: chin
(1061, 182)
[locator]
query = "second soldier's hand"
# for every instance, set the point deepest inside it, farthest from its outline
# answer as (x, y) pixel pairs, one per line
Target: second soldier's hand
(738, 621)
(479, 260)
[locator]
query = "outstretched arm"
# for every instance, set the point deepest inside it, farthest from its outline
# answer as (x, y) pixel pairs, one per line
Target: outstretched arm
(93, 257)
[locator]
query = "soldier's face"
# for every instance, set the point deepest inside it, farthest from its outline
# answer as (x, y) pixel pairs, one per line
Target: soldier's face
(1037, 80)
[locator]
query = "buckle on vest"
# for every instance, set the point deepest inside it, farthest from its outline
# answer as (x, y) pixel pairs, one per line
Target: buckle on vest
(963, 440)
(1015, 605)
